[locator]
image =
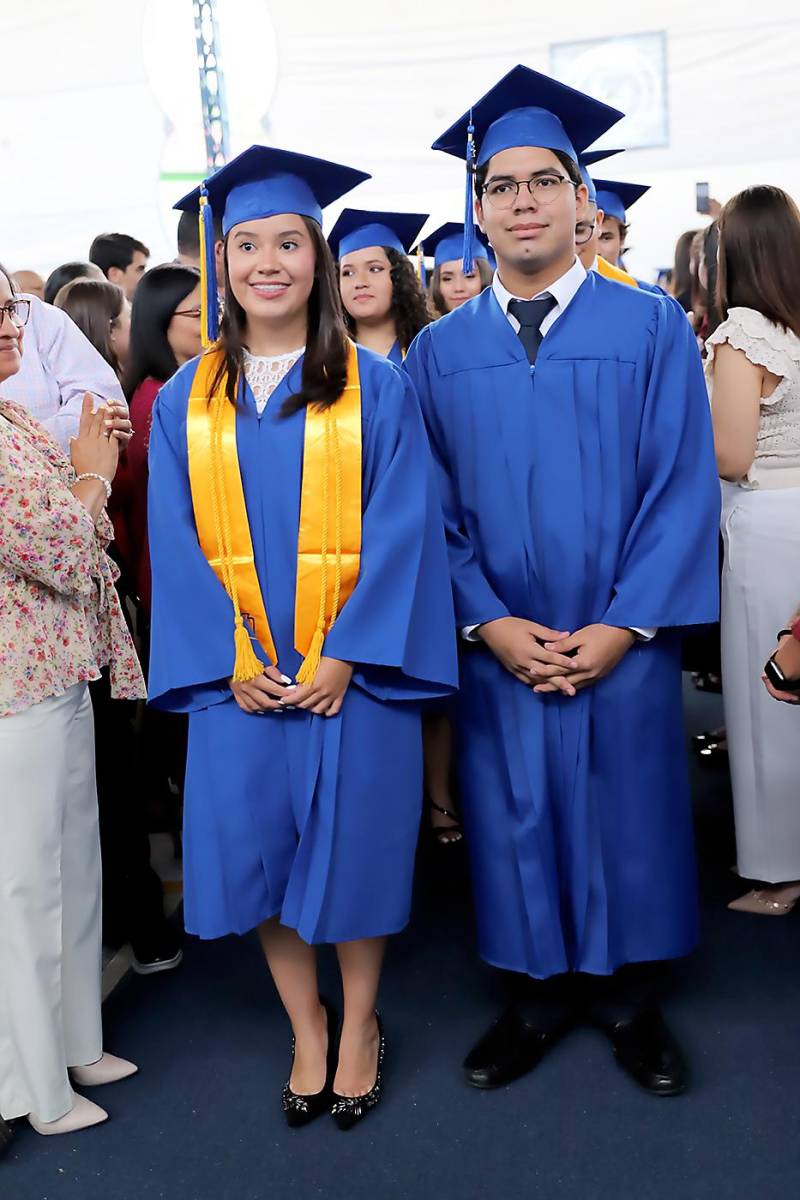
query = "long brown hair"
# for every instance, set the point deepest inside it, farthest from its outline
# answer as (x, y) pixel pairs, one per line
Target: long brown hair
(94, 305)
(325, 359)
(485, 274)
(759, 256)
(681, 282)
(409, 302)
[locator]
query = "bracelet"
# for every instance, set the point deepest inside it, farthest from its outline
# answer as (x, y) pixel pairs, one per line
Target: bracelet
(102, 479)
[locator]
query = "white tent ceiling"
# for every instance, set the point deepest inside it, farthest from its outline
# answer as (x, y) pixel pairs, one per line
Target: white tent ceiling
(101, 103)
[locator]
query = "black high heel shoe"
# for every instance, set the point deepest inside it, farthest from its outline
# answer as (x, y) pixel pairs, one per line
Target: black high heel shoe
(347, 1111)
(301, 1110)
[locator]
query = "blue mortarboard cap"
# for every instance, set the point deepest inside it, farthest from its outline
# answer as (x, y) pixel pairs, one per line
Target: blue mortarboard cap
(357, 228)
(447, 243)
(260, 182)
(263, 182)
(585, 160)
(615, 197)
(525, 108)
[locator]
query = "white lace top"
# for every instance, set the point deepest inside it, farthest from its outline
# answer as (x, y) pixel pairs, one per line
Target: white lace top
(777, 459)
(264, 372)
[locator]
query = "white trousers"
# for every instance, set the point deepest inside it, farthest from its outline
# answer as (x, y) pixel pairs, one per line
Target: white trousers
(760, 591)
(50, 934)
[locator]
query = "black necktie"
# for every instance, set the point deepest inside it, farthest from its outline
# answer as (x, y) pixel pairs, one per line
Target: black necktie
(530, 314)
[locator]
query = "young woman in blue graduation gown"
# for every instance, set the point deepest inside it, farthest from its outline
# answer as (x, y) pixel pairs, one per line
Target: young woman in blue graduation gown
(384, 302)
(580, 503)
(302, 801)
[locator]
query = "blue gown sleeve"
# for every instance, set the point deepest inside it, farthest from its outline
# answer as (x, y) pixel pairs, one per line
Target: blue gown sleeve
(191, 641)
(668, 573)
(397, 626)
(474, 599)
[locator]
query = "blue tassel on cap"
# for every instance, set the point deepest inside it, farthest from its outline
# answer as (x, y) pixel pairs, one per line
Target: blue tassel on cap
(468, 264)
(209, 304)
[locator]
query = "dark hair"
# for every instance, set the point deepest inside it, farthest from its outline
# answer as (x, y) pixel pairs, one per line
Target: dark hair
(485, 273)
(325, 358)
(63, 275)
(7, 274)
(681, 272)
(759, 256)
(159, 293)
(569, 165)
(409, 302)
(189, 234)
(94, 305)
(115, 250)
(623, 230)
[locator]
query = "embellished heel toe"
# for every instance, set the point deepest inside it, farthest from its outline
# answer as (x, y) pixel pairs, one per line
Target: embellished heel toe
(302, 1109)
(347, 1111)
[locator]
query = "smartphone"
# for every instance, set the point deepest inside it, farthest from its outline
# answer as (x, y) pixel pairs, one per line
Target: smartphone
(701, 197)
(778, 680)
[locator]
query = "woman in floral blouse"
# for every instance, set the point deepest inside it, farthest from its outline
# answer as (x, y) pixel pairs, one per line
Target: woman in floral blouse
(60, 622)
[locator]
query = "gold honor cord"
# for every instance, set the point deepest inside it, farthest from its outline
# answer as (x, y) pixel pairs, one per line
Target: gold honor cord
(331, 464)
(609, 271)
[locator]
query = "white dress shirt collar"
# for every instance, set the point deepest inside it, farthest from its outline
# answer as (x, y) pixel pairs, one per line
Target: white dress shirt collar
(562, 290)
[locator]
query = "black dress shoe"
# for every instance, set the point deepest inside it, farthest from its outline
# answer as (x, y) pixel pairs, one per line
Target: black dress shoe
(157, 950)
(347, 1111)
(6, 1136)
(645, 1048)
(299, 1109)
(509, 1050)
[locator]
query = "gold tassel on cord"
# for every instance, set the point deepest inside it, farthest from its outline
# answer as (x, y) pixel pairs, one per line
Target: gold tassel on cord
(247, 665)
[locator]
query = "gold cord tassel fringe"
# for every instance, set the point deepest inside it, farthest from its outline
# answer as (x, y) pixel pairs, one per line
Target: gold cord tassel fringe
(247, 665)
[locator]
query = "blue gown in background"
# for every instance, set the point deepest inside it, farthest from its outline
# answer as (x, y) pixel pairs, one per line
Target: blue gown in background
(581, 490)
(395, 355)
(311, 818)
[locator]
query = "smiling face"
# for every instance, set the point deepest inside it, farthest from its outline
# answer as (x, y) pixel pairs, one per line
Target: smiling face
(365, 281)
(456, 287)
(10, 334)
(534, 232)
(271, 265)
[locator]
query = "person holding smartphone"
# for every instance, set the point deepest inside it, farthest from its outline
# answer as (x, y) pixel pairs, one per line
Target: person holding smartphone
(782, 671)
(753, 370)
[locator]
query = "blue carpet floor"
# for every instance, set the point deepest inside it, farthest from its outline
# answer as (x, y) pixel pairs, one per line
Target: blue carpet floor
(202, 1120)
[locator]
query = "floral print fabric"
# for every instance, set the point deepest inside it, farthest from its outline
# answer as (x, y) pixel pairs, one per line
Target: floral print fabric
(60, 615)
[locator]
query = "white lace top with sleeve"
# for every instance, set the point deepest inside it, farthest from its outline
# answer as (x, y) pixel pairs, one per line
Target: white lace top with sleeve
(264, 373)
(777, 458)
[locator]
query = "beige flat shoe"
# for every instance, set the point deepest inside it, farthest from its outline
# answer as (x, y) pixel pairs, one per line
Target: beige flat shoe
(763, 904)
(82, 1115)
(107, 1069)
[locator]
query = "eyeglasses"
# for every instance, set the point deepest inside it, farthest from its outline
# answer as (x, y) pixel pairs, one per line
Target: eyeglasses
(17, 312)
(188, 312)
(503, 193)
(584, 231)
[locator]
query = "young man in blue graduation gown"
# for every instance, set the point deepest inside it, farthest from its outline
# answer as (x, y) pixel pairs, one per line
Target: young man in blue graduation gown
(570, 425)
(592, 230)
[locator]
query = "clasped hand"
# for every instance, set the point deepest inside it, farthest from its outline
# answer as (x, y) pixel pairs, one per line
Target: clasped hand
(549, 660)
(269, 692)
